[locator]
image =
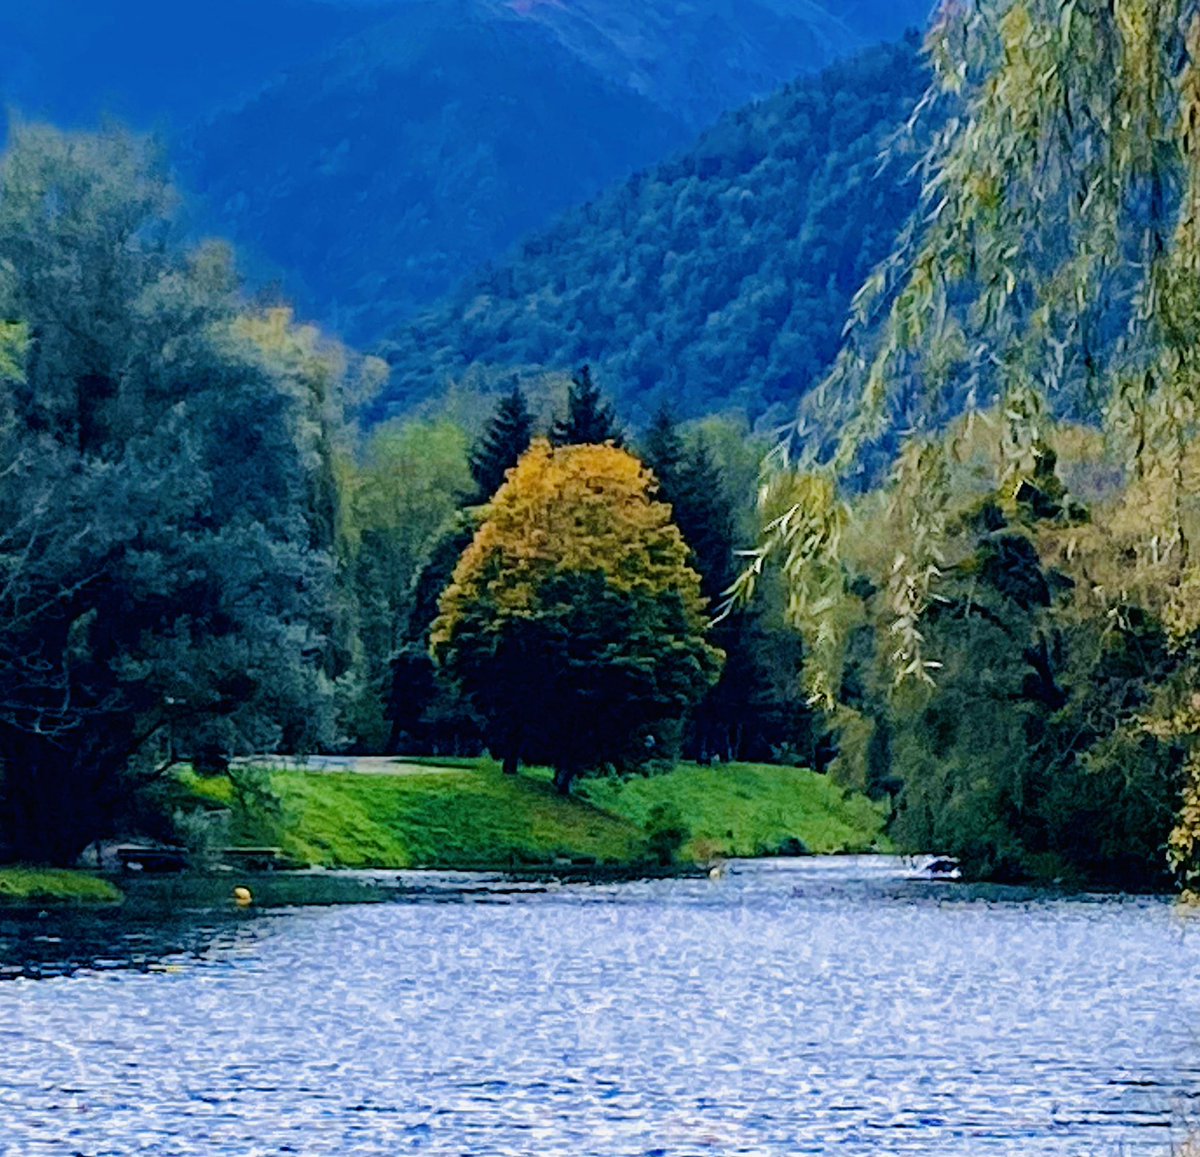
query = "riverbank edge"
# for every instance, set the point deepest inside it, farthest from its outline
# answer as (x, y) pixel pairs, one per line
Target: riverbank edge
(24, 886)
(75, 888)
(467, 816)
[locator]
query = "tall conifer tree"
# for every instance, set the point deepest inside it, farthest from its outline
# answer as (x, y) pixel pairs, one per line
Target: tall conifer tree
(506, 438)
(590, 420)
(662, 450)
(703, 511)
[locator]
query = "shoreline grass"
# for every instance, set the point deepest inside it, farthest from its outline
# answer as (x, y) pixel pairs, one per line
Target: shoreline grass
(22, 886)
(747, 810)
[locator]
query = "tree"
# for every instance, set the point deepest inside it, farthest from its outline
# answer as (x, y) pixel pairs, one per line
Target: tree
(573, 621)
(505, 439)
(426, 707)
(1049, 269)
(163, 523)
(398, 492)
(704, 513)
(662, 449)
(589, 420)
(757, 709)
(1031, 755)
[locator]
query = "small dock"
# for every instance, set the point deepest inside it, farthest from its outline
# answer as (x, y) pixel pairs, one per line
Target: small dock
(158, 858)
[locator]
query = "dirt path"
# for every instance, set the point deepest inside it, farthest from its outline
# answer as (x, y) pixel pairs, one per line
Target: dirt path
(358, 764)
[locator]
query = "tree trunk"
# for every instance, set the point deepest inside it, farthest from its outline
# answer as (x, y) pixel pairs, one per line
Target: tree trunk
(56, 799)
(42, 809)
(512, 750)
(393, 741)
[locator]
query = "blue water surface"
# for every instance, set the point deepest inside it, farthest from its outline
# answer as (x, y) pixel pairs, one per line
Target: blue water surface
(793, 1007)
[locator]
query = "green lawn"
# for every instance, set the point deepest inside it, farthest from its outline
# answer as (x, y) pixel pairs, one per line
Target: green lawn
(472, 816)
(465, 818)
(748, 809)
(52, 886)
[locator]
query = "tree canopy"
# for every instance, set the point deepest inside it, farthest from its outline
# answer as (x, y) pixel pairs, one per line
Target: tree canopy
(573, 620)
(1049, 272)
(1015, 404)
(165, 517)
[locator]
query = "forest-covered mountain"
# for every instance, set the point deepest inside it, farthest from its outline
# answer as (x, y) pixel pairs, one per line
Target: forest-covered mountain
(375, 178)
(718, 280)
(157, 65)
(368, 154)
(432, 142)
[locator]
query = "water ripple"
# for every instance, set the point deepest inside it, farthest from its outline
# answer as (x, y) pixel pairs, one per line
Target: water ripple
(794, 1007)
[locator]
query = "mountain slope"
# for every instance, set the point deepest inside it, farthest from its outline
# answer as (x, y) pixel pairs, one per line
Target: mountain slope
(157, 64)
(720, 280)
(414, 154)
(368, 154)
(373, 179)
(701, 60)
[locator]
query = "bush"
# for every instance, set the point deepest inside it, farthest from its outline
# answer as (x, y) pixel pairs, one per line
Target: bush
(667, 832)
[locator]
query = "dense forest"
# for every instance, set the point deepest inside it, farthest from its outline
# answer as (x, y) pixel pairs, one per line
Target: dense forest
(206, 551)
(719, 279)
(202, 555)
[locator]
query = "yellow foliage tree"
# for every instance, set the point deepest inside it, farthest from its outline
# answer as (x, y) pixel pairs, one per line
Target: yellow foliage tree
(573, 620)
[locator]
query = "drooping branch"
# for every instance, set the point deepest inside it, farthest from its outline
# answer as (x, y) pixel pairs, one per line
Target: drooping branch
(1049, 272)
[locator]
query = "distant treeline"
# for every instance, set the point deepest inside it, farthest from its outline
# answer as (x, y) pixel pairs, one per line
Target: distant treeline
(202, 557)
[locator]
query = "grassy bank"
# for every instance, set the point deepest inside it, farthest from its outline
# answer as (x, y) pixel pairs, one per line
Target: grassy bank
(748, 809)
(447, 818)
(468, 815)
(19, 886)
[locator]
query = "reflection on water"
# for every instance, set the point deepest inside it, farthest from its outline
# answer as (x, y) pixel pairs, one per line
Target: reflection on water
(793, 1007)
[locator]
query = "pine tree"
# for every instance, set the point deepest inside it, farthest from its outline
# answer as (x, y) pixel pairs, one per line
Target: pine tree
(590, 421)
(702, 507)
(506, 438)
(703, 511)
(662, 450)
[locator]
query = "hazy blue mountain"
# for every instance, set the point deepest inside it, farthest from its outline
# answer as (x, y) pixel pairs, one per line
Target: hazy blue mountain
(703, 59)
(418, 151)
(367, 154)
(373, 179)
(157, 63)
(719, 280)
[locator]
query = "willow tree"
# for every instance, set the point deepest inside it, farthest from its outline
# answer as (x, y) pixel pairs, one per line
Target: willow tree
(1052, 270)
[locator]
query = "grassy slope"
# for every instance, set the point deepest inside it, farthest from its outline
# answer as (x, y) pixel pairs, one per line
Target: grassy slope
(472, 816)
(454, 819)
(48, 886)
(747, 809)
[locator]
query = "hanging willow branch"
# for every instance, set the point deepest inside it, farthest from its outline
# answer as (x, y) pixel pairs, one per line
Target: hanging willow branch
(1051, 270)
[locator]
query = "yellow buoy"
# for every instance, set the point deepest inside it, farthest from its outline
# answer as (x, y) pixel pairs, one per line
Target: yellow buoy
(242, 897)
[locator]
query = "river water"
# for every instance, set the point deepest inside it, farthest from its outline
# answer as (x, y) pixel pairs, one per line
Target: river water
(802, 1006)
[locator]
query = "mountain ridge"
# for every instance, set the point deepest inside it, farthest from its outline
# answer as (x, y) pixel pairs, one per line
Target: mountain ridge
(717, 280)
(435, 139)
(366, 156)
